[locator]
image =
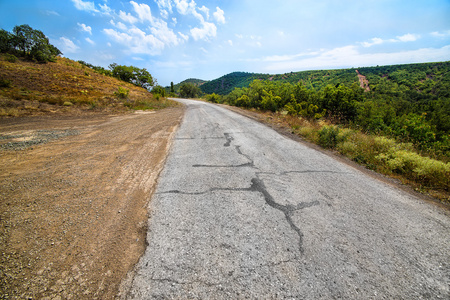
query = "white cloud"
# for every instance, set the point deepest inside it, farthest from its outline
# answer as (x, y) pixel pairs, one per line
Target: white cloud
(86, 28)
(203, 50)
(137, 58)
(164, 33)
(207, 30)
(90, 41)
(403, 38)
(205, 10)
(119, 25)
(408, 37)
(137, 41)
(164, 13)
(165, 5)
(349, 56)
(105, 9)
(86, 6)
(442, 34)
(239, 36)
(375, 41)
(219, 15)
(67, 46)
(143, 11)
(182, 6)
(184, 36)
(52, 13)
(127, 17)
(230, 42)
(174, 20)
(108, 44)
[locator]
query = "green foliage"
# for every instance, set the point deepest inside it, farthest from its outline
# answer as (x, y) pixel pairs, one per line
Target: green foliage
(5, 83)
(30, 42)
(189, 90)
(98, 69)
(328, 136)
(122, 92)
(159, 90)
(139, 77)
(10, 57)
(214, 98)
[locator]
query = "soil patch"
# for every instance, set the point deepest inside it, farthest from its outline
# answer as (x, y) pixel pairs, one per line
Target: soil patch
(74, 192)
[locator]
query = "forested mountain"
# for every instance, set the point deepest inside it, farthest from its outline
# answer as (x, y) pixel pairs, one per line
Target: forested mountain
(194, 81)
(424, 77)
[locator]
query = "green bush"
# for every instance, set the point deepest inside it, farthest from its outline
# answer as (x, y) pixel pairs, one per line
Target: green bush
(10, 57)
(5, 83)
(214, 98)
(122, 92)
(328, 136)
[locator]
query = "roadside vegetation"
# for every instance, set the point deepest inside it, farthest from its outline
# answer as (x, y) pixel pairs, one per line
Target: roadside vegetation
(34, 79)
(398, 124)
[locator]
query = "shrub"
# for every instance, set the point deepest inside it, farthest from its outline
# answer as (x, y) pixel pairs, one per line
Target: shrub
(328, 136)
(10, 57)
(122, 92)
(5, 83)
(214, 98)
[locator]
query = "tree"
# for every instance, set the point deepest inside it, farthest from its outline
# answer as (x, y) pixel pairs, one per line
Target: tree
(172, 90)
(31, 42)
(6, 40)
(134, 75)
(189, 90)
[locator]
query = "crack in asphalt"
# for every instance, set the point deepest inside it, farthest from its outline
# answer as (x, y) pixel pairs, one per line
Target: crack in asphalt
(258, 186)
(229, 139)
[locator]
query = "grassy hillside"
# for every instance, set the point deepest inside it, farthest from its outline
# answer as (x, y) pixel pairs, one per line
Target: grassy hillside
(65, 86)
(176, 87)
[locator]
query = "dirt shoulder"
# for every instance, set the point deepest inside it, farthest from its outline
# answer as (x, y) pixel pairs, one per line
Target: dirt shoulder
(73, 200)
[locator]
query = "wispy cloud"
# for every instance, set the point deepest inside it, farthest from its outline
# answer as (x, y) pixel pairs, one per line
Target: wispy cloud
(67, 46)
(85, 5)
(52, 13)
(84, 27)
(90, 41)
(409, 37)
(441, 34)
(203, 33)
(219, 15)
(349, 56)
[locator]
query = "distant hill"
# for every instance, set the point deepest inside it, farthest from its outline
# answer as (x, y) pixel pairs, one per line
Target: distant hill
(407, 74)
(176, 87)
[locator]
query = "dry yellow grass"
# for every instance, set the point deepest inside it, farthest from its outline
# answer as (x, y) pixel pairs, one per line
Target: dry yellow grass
(65, 86)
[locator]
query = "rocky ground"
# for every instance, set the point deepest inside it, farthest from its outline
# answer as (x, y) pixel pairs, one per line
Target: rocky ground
(73, 200)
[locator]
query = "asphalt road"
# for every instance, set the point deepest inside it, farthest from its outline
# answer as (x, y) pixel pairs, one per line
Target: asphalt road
(241, 212)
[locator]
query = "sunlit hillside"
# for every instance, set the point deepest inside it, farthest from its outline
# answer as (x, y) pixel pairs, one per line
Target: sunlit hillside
(65, 86)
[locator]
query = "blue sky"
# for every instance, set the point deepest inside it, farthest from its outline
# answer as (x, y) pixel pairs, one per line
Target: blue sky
(179, 39)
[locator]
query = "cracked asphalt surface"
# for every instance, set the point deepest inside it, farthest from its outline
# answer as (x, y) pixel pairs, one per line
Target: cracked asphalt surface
(241, 212)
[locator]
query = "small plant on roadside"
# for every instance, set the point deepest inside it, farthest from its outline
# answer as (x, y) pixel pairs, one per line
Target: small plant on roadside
(328, 136)
(10, 57)
(5, 83)
(122, 93)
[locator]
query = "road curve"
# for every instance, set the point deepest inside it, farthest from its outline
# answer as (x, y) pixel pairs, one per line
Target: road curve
(241, 212)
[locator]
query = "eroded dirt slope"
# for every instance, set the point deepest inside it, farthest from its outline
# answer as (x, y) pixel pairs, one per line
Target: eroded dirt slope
(73, 200)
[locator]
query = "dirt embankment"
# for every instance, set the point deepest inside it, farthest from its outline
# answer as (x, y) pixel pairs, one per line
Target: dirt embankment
(363, 82)
(73, 200)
